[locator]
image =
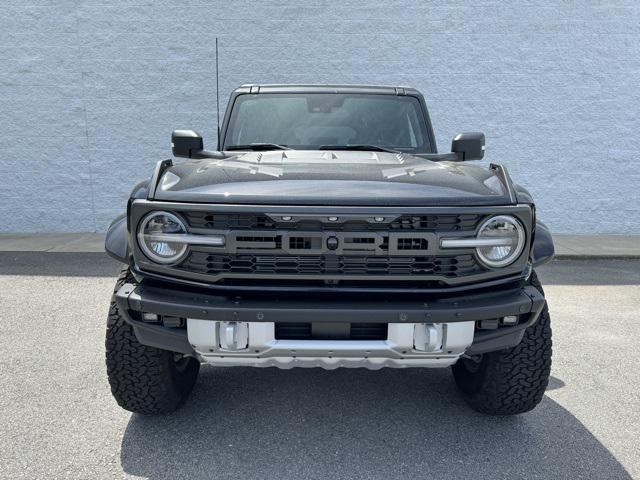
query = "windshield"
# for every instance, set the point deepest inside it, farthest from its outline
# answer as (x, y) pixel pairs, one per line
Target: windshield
(308, 121)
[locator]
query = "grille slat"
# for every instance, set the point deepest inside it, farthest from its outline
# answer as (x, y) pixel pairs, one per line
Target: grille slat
(212, 264)
(442, 223)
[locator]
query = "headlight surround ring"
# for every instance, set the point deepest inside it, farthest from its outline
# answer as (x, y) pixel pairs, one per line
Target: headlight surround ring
(173, 251)
(487, 255)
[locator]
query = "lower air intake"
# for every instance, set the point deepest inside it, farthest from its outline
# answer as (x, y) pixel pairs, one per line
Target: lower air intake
(331, 331)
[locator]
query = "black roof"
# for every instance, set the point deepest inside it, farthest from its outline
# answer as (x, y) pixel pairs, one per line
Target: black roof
(326, 88)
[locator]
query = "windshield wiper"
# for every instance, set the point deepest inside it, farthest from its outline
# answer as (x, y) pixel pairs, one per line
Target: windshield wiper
(258, 146)
(371, 148)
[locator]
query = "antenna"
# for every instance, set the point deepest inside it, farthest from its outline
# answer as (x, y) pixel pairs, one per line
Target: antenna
(217, 94)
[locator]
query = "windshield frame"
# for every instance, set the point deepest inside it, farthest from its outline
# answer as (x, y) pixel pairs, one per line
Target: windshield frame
(423, 116)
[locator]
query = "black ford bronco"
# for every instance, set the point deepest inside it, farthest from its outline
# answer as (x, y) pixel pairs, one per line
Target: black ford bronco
(327, 231)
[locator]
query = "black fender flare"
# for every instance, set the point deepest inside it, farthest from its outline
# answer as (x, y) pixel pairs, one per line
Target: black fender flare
(116, 243)
(542, 250)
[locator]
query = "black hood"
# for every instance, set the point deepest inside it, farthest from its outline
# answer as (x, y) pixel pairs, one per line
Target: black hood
(309, 177)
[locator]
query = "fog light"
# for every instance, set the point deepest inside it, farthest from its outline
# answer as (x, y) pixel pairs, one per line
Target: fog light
(150, 317)
(510, 320)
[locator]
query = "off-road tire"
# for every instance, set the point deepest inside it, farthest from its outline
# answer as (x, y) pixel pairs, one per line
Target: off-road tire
(144, 379)
(511, 381)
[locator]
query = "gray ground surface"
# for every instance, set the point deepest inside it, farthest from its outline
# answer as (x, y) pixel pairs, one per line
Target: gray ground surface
(58, 420)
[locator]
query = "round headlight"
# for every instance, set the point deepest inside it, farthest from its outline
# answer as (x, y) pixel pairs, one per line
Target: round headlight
(508, 233)
(154, 237)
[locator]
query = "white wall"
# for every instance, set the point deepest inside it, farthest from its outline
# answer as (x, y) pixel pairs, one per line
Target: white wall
(90, 91)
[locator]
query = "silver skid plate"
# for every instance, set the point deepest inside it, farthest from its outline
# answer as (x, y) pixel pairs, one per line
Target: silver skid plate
(254, 344)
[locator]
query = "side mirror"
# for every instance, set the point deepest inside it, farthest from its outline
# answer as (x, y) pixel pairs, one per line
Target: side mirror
(186, 143)
(468, 146)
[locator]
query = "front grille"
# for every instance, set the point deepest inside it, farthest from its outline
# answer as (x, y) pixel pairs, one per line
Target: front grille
(331, 331)
(255, 264)
(330, 249)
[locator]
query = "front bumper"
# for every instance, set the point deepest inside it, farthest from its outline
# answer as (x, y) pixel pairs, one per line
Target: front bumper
(206, 312)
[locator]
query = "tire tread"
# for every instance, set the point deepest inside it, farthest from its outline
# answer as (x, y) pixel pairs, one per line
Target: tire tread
(514, 380)
(143, 379)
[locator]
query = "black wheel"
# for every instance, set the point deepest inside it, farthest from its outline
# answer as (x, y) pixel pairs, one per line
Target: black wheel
(144, 379)
(511, 381)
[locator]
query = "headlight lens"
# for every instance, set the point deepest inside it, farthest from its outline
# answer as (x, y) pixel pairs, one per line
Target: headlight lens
(502, 227)
(150, 233)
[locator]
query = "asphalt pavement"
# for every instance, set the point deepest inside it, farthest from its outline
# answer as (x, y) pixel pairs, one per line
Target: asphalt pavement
(58, 419)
